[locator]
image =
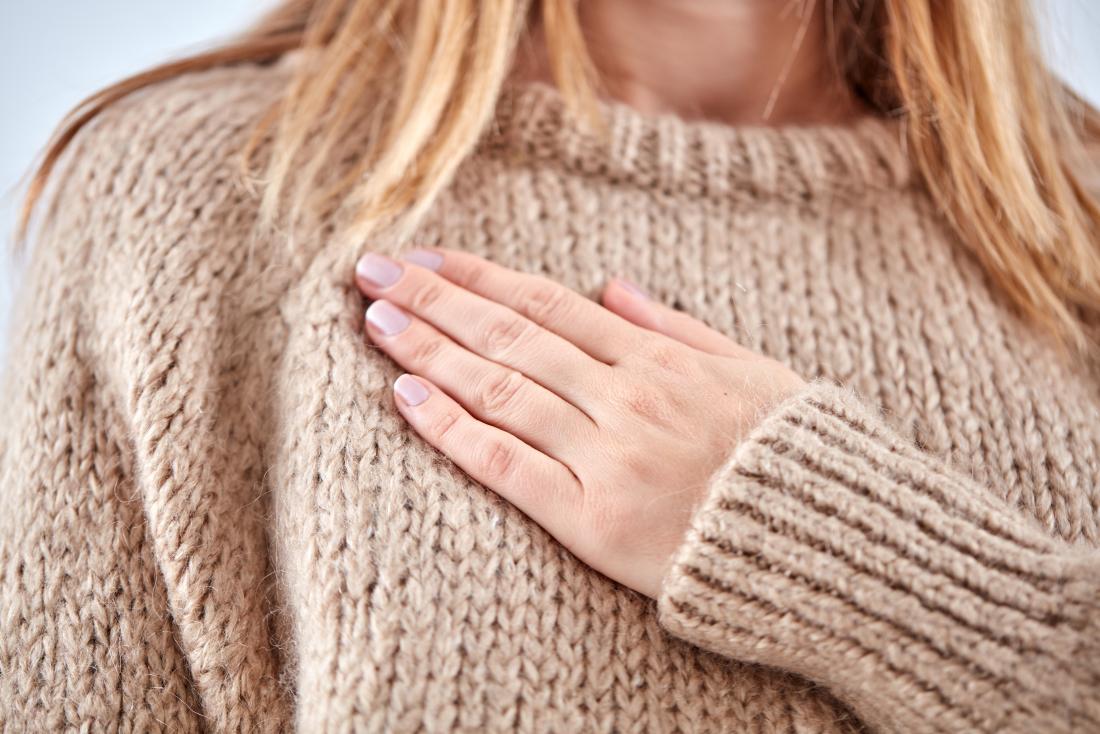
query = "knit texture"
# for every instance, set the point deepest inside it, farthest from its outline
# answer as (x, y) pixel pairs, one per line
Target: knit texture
(215, 520)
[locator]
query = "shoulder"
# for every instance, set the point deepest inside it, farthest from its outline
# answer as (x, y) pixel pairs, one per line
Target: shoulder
(212, 110)
(176, 134)
(164, 157)
(149, 215)
(160, 167)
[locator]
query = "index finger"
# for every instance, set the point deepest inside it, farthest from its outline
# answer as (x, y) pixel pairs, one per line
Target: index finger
(604, 335)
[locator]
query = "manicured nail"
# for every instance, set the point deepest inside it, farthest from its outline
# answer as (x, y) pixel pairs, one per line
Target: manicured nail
(632, 288)
(387, 318)
(378, 270)
(410, 390)
(424, 258)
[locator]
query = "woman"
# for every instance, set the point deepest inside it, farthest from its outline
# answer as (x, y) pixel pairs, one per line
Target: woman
(839, 470)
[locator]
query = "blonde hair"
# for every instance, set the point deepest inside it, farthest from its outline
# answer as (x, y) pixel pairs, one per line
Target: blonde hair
(997, 139)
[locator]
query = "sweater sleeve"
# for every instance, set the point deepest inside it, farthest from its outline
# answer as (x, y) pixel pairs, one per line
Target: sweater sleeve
(132, 561)
(85, 634)
(829, 547)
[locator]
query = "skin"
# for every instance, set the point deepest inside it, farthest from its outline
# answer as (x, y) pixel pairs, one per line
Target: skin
(739, 62)
(603, 422)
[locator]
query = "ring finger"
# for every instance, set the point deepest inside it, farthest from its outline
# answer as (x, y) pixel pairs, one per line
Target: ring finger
(488, 329)
(495, 394)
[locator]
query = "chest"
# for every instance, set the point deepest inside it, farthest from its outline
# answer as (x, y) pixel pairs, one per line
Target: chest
(874, 293)
(433, 598)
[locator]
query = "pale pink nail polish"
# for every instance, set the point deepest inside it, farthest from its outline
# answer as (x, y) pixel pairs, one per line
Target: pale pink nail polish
(424, 258)
(387, 318)
(410, 390)
(378, 270)
(633, 288)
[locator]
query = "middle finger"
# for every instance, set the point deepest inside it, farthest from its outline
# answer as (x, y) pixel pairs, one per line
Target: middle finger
(488, 329)
(495, 394)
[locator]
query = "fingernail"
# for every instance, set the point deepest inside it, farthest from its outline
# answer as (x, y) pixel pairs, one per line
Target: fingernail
(387, 318)
(632, 288)
(424, 258)
(410, 390)
(378, 270)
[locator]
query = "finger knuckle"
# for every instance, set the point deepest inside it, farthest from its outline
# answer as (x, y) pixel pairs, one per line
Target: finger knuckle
(497, 461)
(443, 424)
(470, 275)
(425, 350)
(666, 357)
(546, 303)
(426, 295)
(500, 390)
(646, 404)
(502, 334)
(636, 464)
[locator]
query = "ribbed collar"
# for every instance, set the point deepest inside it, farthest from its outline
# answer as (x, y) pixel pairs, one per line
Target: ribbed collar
(700, 159)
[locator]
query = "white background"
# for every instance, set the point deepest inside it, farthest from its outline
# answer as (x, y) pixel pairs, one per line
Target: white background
(55, 52)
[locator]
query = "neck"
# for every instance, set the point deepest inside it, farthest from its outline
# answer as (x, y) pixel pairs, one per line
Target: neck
(731, 61)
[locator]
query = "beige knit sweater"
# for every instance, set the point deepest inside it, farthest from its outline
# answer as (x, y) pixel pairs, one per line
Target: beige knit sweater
(214, 519)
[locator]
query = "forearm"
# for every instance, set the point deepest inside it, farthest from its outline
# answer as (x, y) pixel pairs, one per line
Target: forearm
(829, 547)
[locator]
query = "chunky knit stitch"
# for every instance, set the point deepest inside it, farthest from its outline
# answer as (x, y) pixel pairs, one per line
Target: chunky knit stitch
(214, 519)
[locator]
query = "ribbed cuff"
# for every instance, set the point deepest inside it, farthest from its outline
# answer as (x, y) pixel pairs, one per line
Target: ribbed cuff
(829, 547)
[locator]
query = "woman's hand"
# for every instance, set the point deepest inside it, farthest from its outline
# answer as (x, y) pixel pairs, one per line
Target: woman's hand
(603, 425)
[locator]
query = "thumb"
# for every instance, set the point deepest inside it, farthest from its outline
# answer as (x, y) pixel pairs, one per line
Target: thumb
(633, 304)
